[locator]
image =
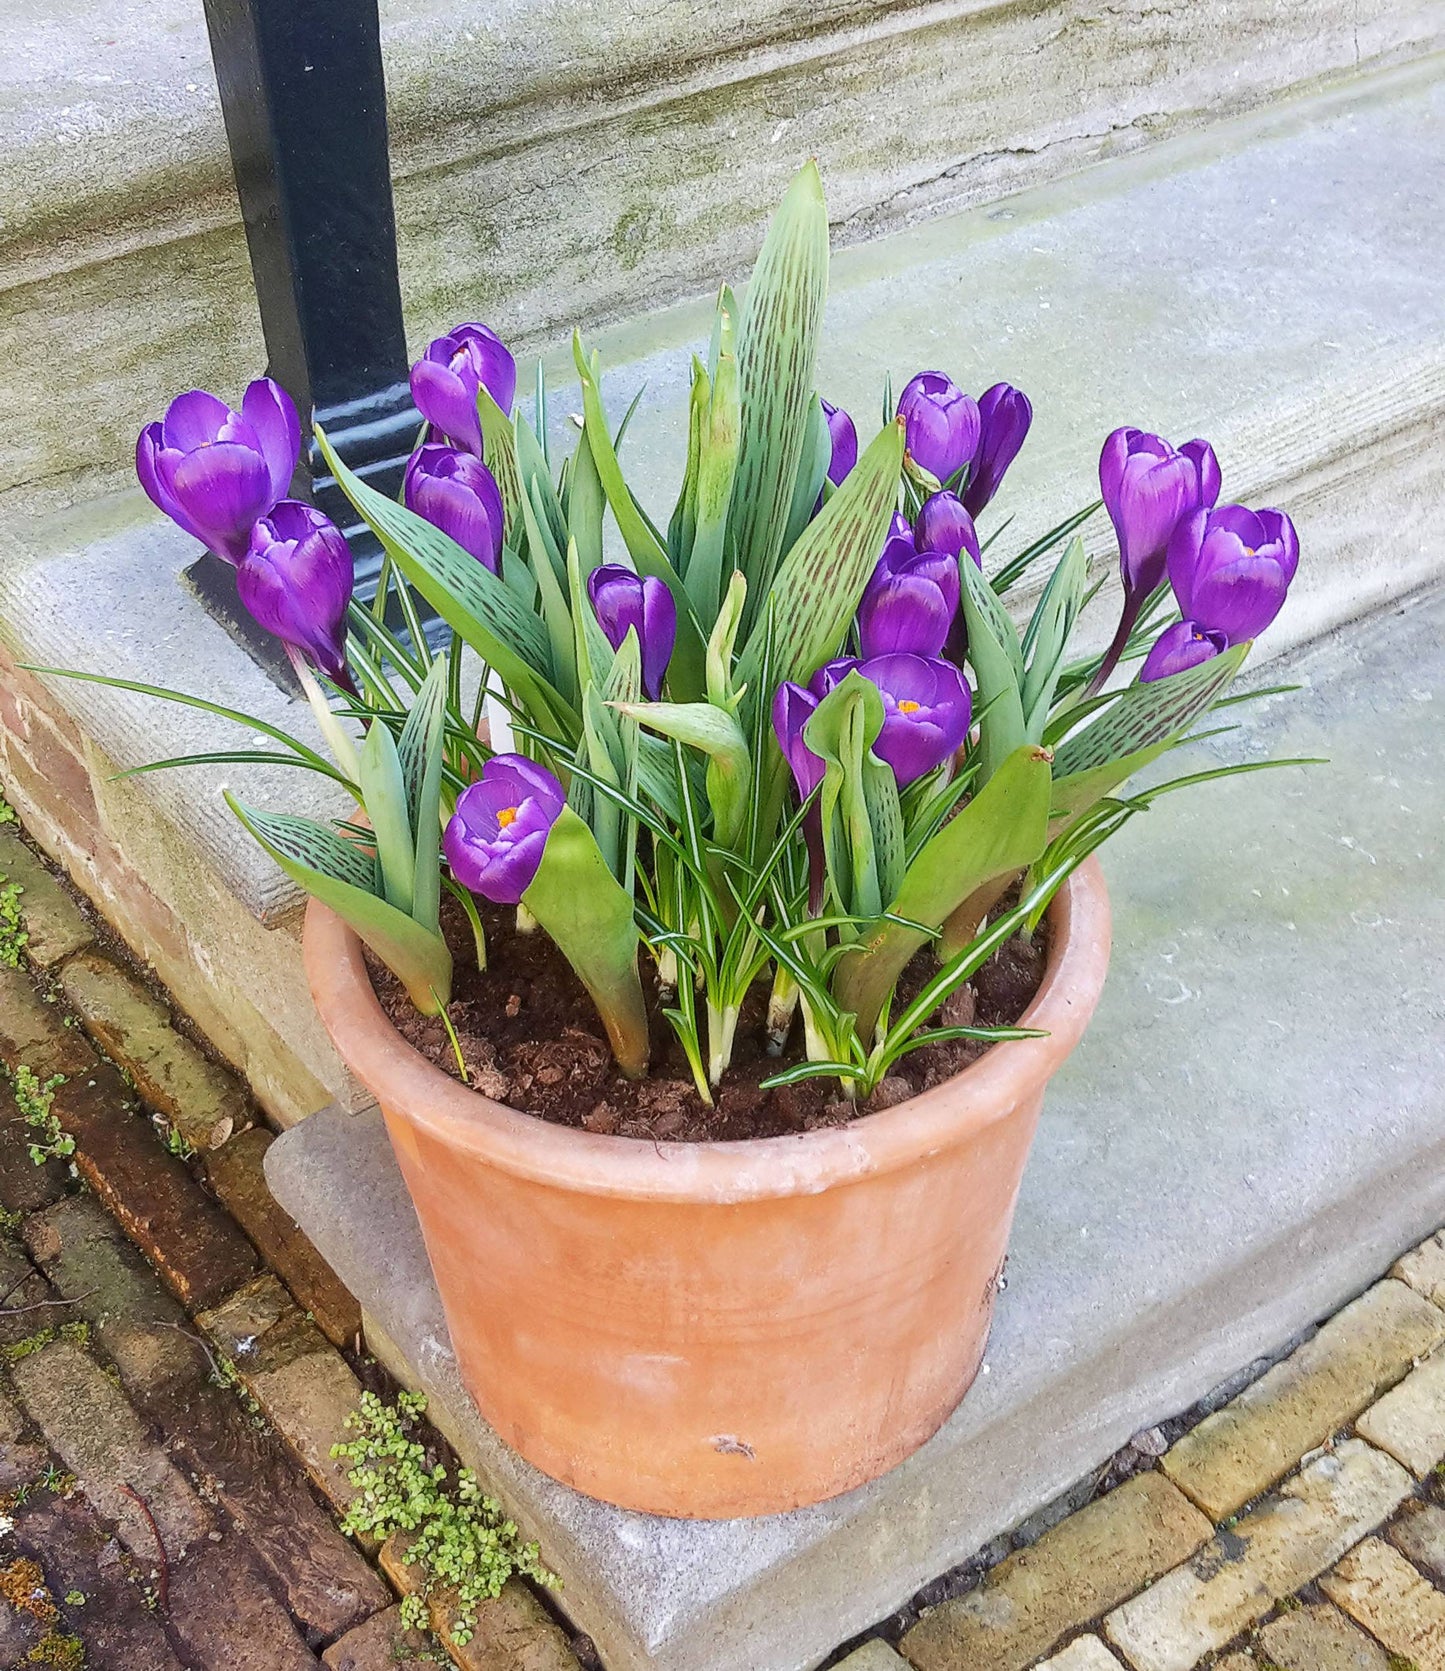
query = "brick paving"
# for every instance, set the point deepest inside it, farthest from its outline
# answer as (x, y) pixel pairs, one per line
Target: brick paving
(176, 1361)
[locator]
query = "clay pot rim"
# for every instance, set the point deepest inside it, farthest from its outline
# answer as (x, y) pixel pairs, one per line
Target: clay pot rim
(405, 1083)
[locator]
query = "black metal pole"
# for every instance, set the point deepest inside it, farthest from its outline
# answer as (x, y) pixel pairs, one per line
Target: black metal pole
(304, 99)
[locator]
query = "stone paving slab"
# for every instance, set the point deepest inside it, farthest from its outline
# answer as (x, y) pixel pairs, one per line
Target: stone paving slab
(1409, 1421)
(225, 1615)
(80, 1557)
(1241, 1450)
(87, 1422)
(55, 925)
(1236, 1579)
(1086, 1653)
(237, 1174)
(1092, 1561)
(196, 1096)
(1424, 1268)
(380, 1645)
(872, 1656)
(1198, 1192)
(182, 1232)
(512, 1632)
(1320, 1638)
(1418, 1532)
(1377, 1586)
(299, 1379)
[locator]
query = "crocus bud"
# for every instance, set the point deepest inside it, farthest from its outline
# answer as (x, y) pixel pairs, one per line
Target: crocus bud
(944, 525)
(927, 710)
(215, 472)
(623, 599)
(793, 707)
(296, 580)
(901, 528)
(1185, 644)
(910, 601)
(1004, 416)
(457, 493)
(1148, 487)
(941, 424)
(845, 442)
(444, 382)
(495, 839)
(1231, 568)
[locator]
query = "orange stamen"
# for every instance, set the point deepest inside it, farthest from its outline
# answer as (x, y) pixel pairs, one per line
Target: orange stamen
(506, 816)
(907, 706)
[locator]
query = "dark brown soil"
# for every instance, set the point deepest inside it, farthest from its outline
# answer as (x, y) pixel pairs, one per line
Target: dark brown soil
(530, 1037)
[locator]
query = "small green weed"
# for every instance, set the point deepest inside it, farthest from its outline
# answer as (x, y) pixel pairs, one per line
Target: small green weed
(459, 1538)
(78, 1333)
(75, 1598)
(177, 1145)
(7, 812)
(34, 1097)
(13, 938)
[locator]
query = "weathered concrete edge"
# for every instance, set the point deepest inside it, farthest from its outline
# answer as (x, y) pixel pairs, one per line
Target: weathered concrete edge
(1176, 1353)
(174, 179)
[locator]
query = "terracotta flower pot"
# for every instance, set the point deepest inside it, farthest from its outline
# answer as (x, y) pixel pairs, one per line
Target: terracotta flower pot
(718, 1329)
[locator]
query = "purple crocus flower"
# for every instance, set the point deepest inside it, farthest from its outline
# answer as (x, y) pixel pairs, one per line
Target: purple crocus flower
(444, 382)
(1004, 417)
(945, 525)
(457, 493)
(845, 442)
(1148, 488)
(623, 599)
(214, 471)
(1185, 644)
(910, 601)
(927, 710)
(296, 580)
(941, 423)
(793, 707)
(901, 528)
(495, 839)
(1231, 568)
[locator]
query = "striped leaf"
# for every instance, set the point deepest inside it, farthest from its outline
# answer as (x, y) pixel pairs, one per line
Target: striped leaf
(777, 356)
(817, 589)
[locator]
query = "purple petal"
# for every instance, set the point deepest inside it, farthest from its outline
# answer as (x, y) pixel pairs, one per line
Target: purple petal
(444, 401)
(196, 419)
(268, 409)
(1185, 644)
(223, 488)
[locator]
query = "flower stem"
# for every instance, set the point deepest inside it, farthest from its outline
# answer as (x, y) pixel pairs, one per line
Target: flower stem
(342, 748)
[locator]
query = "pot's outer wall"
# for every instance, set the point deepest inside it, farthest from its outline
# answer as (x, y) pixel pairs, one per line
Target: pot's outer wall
(713, 1330)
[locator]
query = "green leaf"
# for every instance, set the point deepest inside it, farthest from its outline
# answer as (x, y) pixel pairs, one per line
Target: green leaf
(589, 915)
(718, 735)
(1140, 726)
(465, 593)
(717, 468)
(331, 870)
(777, 355)
(499, 445)
(1048, 636)
(817, 454)
(817, 589)
(421, 750)
(384, 795)
(555, 613)
(862, 823)
(995, 655)
(1001, 830)
(685, 674)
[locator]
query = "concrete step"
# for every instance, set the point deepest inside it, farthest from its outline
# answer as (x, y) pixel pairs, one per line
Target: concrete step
(558, 163)
(1250, 1132)
(1271, 283)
